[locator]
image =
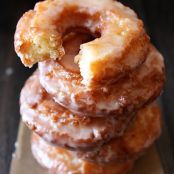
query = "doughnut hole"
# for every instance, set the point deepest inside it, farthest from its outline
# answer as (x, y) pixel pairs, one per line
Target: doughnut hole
(71, 44)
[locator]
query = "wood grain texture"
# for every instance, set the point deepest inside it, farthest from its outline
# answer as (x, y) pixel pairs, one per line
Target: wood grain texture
(158, 16)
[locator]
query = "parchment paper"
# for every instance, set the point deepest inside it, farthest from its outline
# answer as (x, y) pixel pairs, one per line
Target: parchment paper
(24, 163)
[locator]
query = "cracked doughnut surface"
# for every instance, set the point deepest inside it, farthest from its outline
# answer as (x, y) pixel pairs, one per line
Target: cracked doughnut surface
(62, 161)
(122, 46)
(141, 133)
(127, 95)
(89, 102)
(60, 126)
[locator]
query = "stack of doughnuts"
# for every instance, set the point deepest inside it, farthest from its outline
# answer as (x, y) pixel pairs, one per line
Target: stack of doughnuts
(90, 103)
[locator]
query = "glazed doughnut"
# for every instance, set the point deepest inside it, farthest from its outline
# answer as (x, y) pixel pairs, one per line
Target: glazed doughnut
(141, 133)
(61, 161)
(127, 95)
(122, 44)
(61, 127)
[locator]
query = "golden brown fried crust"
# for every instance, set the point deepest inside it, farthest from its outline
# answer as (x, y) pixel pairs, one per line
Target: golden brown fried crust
(93, 99)
(61, 161)
(39, 36)
(60, 126)
(141, 133)
(127, 95)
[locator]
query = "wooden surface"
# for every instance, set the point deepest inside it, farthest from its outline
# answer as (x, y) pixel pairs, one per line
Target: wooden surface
(158, 16)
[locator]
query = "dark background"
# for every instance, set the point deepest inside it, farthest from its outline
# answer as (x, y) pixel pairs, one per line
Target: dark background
(158, 16)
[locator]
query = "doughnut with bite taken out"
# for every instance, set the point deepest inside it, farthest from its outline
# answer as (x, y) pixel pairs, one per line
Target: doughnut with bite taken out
(121, 46)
